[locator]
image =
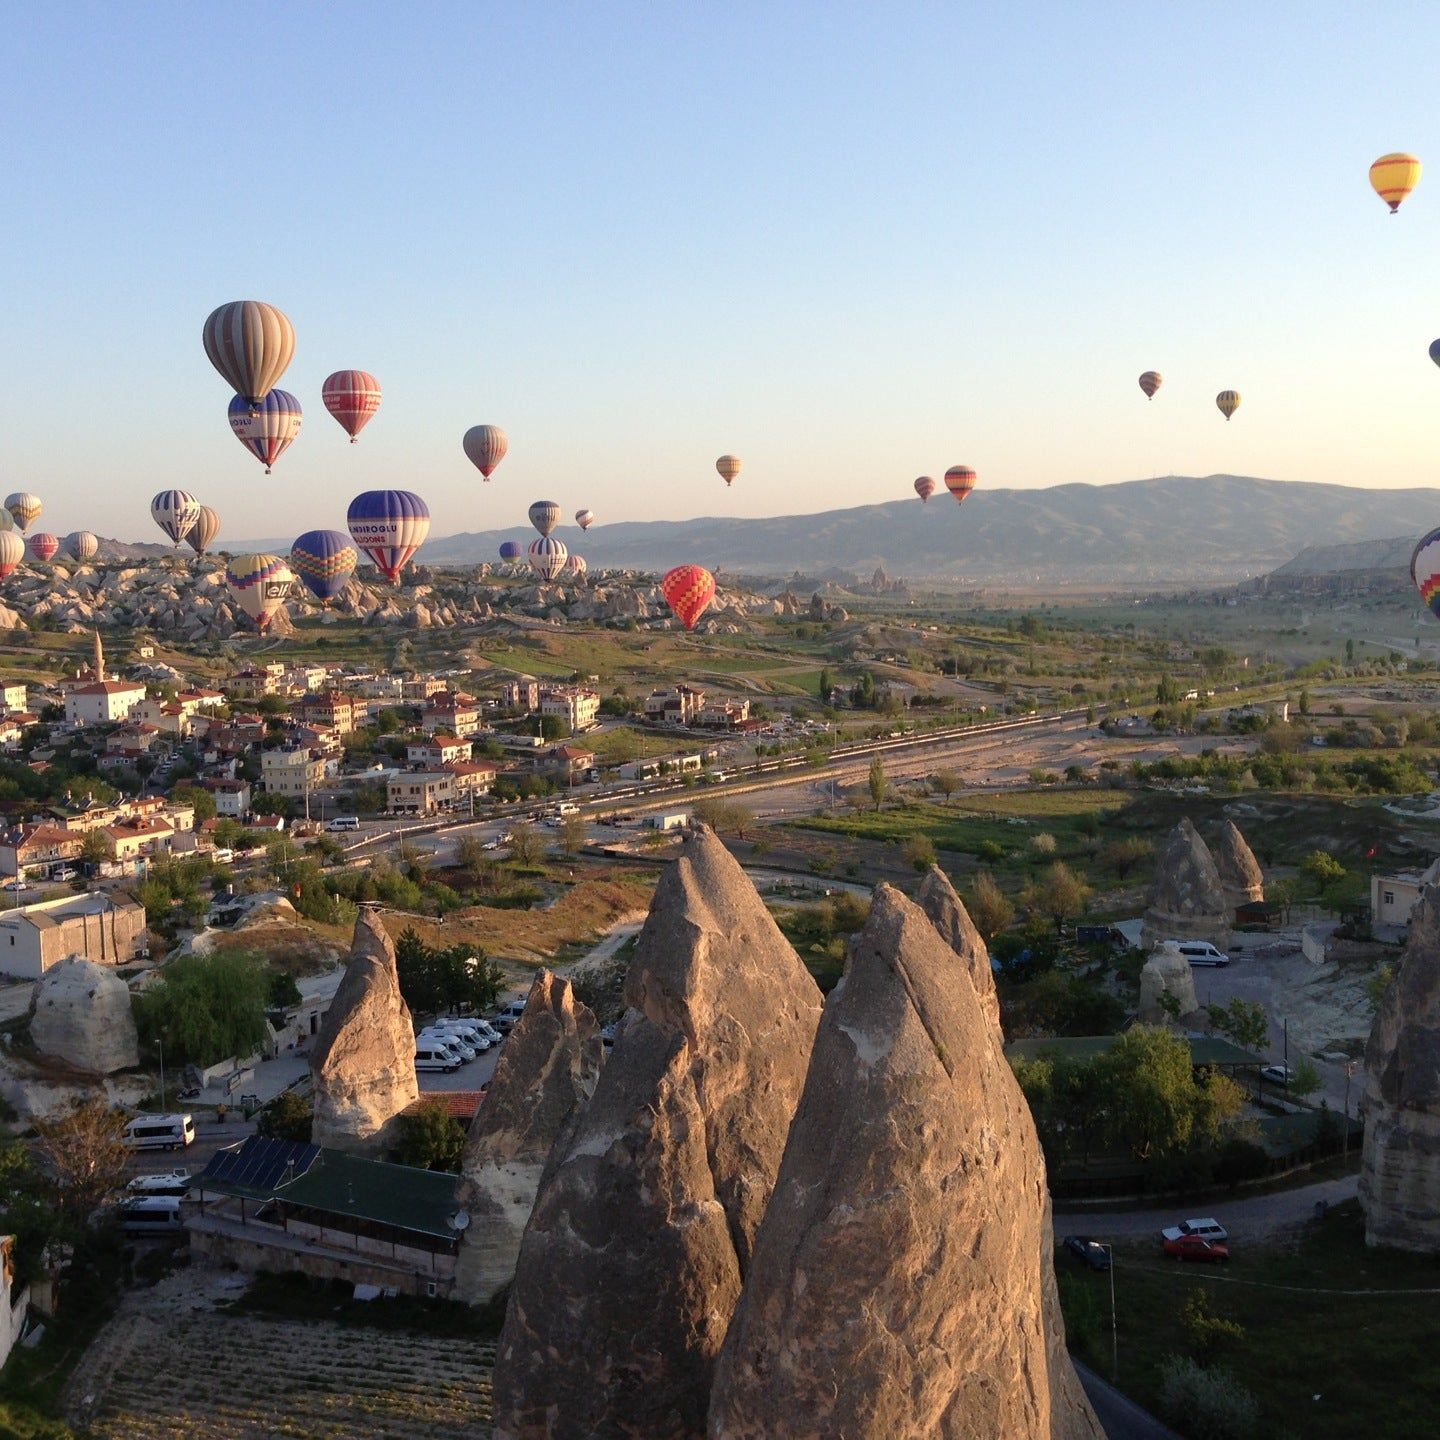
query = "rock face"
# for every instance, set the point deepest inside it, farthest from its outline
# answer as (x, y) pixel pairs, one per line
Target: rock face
(80, 1013)
(363, 1063)
(1239, 870)
(901, 1285)
(937, 898)
(1189, 900)
(546, 1072)
(1166, 972)
(1400, 1168)
(643, 1228)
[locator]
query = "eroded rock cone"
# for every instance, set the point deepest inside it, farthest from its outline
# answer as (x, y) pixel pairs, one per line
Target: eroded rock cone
(1400, 1166)
(1189, 900)
(937, 898)
(1239, 870)
(642, 1231)
(902, 1283)
(1166, 972)
(363, 1064)
(80, 1013)
(546, 1071)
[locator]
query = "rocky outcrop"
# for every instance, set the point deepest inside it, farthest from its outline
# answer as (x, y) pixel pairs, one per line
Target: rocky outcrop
(1240, 873)
(1166, 972)
(1400, 1165)
(363, 1063)
(643, 1228)
(80, 1013)
(937, 898)
(899, 1284)
(546, 1072)
(1189, 900)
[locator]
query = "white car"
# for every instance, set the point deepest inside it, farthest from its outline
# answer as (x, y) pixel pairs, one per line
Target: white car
(465, 1051)
(163, 1182)
(1280, 1074)
(1206, 1228)
(471, 1034)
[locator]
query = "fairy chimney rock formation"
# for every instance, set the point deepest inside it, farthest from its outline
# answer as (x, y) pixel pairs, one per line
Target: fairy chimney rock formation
(1189, 900)
(80, 1013)
(902, 1283)
(1240, 872)
(1166, 972)
(643, 1227)
(937, 898)
(1400, 1166)
(363, 1064)
(546, 1072)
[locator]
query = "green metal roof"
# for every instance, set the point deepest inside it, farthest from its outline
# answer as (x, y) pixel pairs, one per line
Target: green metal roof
(1204, 1050)
(398, 1195)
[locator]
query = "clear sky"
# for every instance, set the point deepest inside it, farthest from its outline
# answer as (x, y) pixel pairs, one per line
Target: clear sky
(849, 242)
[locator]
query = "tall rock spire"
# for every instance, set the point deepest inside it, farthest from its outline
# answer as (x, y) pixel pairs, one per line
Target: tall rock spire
(98, 665)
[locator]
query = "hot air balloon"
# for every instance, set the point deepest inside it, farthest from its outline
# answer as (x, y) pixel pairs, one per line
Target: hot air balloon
(250, 343)
(960, 481)
(729, 467)
(44, 546)
(325, 560)
(1228, 401)
(12, 552)
(1393, 177)
(352, 397)
(925, 487)
(576, 565)
(1150, 382)
(548, 556)
(81, 546)
(204, 530)
(511, 550)
(1435, 351)
(389, 526)
(584, 519)
(1424, 570)
(485, 446)
(688, 589)
(266, 430)
(24, 508)
(544, 516)
(259, 584)
(175, 512)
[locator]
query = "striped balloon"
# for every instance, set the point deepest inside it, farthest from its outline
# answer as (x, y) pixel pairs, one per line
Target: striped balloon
(584, 519)
(688, 589)
(44, 546)
(1425, 570)
(258, 585)
(204, 530)
(1393, 177)
(81, 546)
(352, 397)
(485, 447)
(511, 550)
(325, 560)
(925, 487)
(548, 556)
(250, 343)
(1228, 401)
(266, 430)
(576, 565)
(729, 467)
(12, 552)
(389, 526)
(544, 516)
(175, 512)
(960, 481)
(24, 508)
(1150, 382)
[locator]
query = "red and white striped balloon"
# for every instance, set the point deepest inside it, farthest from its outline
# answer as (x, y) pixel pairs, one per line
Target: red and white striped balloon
(352, 397)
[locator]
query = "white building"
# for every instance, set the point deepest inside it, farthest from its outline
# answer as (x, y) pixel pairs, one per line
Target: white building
(575, 707)
(102, 702)
(1394, 896)
(291, 772)
(420, 792)
(108, 930)
(12, 698)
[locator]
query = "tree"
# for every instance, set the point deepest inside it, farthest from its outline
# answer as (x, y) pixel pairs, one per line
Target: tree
(879, 784)
(527, 845)
(434, 980)
(825, 685)
(1242, 1021)
(1284, 893)
(574, 831)
(95, 848)
(1304, 1078)
(470, 854)
(85, 1152)
(1322, 868)
(1379, 983)
(198, 798)
(1122, 856)
(286, 1117)
(206, 1008)
(988, 907)
(919, 851)
(947, 782)
(1060, 894)
(430, 1138)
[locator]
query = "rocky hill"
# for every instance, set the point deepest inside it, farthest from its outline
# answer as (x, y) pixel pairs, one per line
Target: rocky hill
(1380, 555)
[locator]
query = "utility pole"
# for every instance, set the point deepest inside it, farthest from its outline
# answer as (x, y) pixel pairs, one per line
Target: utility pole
(1114, 1322)
(161, 1043)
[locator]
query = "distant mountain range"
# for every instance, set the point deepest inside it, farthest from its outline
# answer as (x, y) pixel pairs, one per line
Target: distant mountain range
(1172, 529)
(1387, 555)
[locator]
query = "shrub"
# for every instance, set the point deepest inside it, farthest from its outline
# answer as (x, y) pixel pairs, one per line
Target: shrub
(991, 851)
(1210, 1404)
(919, 851)
(1043, 843)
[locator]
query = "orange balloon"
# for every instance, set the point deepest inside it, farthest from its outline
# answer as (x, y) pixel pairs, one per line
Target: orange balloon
(960, 481)
(688, 589)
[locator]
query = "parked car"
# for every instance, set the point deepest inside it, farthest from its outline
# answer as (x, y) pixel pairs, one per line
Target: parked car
(17, 885)
(457, 1043)
(1206, 1228)
(1280, 1074)
(1200, 952)
(1193, 1247)
(162, 1182)
(65, 872)
(467, 1030)
(1090, 1252)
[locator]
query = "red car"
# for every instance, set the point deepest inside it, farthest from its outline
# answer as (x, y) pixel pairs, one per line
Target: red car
(1192, 1247)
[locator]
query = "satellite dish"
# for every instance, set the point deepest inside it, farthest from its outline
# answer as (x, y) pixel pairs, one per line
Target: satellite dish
(460, 1220)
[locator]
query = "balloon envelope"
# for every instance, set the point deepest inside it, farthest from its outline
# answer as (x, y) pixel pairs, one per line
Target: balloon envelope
(1228, 402)
(729, 467)
(352, 397)
(548, 556)
(24, 508)
(1425, 570)
(511, 550)
(925, 487)
(1435, 351)
(1394, 176)
(1150, 382)
(12, 552)
(688, 589)
(81, 545)
(324, 560)
(584, 519)
(175, 512)
(204, 530)
(44, 546)
(544, 516)
(389, 526)
(259, 584)
(266, 430)
(960, 481)
(485, 447)
(576, 565)
(250, 343)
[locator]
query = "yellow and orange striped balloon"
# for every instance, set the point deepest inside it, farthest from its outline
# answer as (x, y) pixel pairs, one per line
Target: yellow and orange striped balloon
(1228, 402)
(1394, 177)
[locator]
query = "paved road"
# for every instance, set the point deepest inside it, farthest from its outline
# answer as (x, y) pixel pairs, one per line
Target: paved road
(1122, 1418)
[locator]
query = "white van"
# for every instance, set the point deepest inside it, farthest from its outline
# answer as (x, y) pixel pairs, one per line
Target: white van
(160, 1132)
(457, 1043)
(432, 1053)
(477, 1039)
(164, 1182)
(151, 1215)
(344, 822)
(1201, 952)
(566, 807)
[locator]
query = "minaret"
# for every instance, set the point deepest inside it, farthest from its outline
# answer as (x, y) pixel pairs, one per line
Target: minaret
(99, 662)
